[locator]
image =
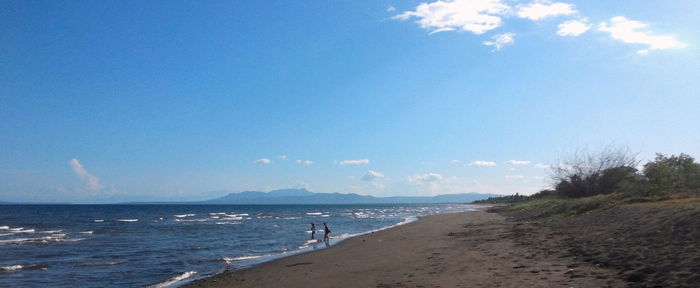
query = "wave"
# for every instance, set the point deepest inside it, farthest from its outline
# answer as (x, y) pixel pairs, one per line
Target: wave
(4, 227)
(192, 220)
(98, 264)
(314, 213)
(227, 223)
(127, 220)
(87, 232)
(98, 220)
(184, 215)
(174, 280)
(12, 268)
(51, 231)
(40, 240)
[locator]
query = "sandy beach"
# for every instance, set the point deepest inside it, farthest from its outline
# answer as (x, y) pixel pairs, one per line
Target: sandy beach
(469, 249)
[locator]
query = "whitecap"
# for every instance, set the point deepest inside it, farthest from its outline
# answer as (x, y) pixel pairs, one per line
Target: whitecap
(227, 223)
(314, 213)
(98, 264)
(241, 258)
(174, 280)
(184, 215)
(87, 232)
(243, 214)
(11, 268)
(128, 220)
(51, 231)
(4, 227)
(98, 220)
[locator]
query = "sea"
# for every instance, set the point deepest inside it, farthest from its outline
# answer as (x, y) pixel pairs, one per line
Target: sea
(170, 245)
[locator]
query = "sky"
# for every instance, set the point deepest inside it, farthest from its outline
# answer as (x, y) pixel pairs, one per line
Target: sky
(182, 100)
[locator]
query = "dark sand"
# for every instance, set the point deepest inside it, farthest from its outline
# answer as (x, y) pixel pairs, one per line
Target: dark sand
(471, 249)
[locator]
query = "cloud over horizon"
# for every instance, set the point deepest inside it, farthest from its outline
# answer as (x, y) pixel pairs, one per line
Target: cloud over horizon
(482, 163)
(304, 162)
(262, 161)
(372, 175)
(354, 162)
(90, 181)
(518, 162)
(422, 178)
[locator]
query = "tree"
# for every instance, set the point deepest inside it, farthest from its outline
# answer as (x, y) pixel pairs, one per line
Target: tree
(673, 174)
(586, 174)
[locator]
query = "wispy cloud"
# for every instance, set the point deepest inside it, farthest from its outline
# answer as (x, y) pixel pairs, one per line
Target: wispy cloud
(518, 162)
(372, 175)
(500, 40)
(455, 161)
(90, 181)
(422, 178)
(390, 9)
(282, 157)
(539, 10)
(630, 31)
(573, 28)
(482, 163)
(544, 166)
(263, 161)
(476, 16)
(515, 177)
(354, 162)
(304, 162)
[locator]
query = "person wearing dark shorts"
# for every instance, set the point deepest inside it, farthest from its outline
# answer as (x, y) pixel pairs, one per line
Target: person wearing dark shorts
(326, 232)
(313, 230)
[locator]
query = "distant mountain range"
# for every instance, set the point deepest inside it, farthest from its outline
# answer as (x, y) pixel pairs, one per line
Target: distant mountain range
(303, 196)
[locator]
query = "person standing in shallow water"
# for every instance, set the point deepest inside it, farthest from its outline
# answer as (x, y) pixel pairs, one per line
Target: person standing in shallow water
(313, 230)
(326, 232)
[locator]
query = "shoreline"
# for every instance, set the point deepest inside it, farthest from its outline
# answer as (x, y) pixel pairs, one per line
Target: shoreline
(311, 248)
(463, 249)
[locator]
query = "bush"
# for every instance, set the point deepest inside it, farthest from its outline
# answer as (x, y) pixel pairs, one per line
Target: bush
(674, 174)
(589, 174)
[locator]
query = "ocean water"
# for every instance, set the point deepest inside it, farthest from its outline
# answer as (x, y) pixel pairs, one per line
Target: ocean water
(168, 245)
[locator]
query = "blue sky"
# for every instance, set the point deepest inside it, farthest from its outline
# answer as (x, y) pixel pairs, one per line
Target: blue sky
(125, 100)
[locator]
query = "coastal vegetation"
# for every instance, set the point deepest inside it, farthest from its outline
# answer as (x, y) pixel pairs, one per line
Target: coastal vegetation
(611, 177)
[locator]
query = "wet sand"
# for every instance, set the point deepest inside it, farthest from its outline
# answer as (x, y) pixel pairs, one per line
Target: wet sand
(469, 249)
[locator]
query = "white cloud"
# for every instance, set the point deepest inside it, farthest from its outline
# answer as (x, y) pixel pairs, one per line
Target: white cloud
(515, 177)
(518, 162)
(500, 40)
(573, 28)
(455, 161)
(482, 163)
(263, 161)
(476, 16)
(372, 175)
(539, 10)
(390, 9)
(304, 162)
(422, 178)
(354, 162)
(544, 166)
(90, 181)
(283, 157)
(628, 31)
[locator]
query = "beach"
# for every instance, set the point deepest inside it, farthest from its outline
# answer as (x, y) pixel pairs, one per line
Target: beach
(467, 249)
